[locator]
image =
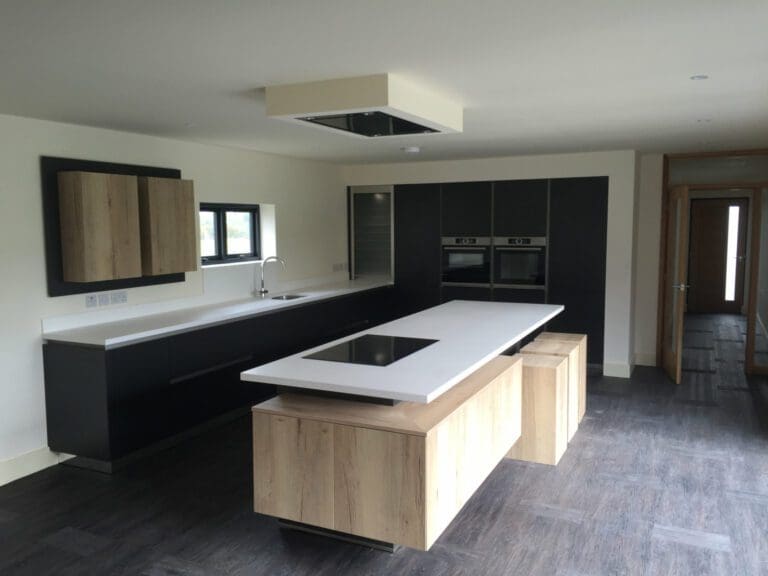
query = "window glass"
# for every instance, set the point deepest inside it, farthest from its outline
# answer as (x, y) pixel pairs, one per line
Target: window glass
(229, 232)
(208, 234)
(732, 254)
(239, 233)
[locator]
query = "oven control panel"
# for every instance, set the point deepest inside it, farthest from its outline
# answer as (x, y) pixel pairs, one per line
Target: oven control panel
(520, 241)
(466, 241)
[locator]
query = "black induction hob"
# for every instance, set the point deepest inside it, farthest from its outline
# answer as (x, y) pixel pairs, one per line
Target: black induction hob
(372, 350)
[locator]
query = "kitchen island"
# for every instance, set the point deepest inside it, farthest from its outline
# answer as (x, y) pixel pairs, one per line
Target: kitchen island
(392, 474)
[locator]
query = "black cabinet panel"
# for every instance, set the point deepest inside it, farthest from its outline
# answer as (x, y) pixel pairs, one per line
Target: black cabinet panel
(517, 295)
(466, 209)
(577, 250)
(466, 293)
(417, 247)
(76, 392)
(205, 348)
(520, 208)
(141, 406)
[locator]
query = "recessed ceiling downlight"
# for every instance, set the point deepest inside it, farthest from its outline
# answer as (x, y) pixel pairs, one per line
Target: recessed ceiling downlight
(700, 77)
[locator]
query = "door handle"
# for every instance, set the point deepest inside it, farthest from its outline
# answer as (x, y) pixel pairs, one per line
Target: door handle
(681, 287)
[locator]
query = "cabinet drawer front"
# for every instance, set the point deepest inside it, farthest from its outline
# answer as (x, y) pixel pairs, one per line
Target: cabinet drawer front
(210, 348)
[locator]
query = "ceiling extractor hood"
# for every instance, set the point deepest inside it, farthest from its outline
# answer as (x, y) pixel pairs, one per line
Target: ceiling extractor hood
(369, 106)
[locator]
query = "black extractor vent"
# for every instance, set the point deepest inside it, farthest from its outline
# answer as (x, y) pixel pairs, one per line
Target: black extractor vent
(370, 124)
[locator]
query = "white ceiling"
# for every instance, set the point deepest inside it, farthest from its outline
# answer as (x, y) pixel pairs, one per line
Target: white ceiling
(534, 76)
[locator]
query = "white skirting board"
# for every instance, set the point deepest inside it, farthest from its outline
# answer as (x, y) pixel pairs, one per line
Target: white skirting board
(617, 370)
(29, 463)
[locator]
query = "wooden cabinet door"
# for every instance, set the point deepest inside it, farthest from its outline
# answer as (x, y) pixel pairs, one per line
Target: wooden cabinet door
(99, 218)
(168, 231)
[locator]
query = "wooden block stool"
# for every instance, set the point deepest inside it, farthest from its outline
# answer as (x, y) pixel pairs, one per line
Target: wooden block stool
(581, 340)
(569, 351)
(544, 436)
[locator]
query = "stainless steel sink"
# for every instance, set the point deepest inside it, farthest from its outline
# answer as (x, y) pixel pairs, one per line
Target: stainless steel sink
(288, 297)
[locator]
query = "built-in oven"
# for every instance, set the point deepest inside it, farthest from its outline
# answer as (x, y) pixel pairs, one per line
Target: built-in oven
(520, 261)
(466, 260)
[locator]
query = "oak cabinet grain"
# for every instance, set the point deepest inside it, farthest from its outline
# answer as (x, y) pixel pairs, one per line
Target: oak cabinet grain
(99, 220)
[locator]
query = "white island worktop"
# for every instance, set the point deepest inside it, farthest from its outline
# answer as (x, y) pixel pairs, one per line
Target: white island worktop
(469, 335)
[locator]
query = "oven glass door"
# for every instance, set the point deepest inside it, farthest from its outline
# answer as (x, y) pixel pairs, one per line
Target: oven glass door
(466, 265)
(519, 266)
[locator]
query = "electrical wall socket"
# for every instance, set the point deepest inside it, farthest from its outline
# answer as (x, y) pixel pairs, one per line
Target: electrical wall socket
(105, 299)
(120, 297)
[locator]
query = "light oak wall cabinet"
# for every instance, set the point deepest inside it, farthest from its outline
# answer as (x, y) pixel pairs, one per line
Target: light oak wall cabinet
(99, 219)
(168, 231)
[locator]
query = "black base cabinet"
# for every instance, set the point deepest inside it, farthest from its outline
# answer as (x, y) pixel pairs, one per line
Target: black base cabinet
(105, 405)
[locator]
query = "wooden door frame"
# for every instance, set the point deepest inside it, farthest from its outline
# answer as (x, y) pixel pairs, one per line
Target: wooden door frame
(754, 240)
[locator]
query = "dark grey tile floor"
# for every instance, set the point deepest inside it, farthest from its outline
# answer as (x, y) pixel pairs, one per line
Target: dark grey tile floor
(659, 480)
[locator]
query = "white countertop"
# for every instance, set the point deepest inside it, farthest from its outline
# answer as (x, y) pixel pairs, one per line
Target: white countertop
(469, 334)
(150, 327)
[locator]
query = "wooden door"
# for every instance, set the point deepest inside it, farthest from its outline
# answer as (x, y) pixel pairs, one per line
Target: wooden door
(676, 276)
(709, 260)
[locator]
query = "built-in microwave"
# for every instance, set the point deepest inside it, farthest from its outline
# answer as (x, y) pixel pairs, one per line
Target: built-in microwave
(466, 260)
(520, 261)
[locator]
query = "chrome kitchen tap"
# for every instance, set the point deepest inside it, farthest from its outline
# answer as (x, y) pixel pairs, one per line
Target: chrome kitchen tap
(263, 291)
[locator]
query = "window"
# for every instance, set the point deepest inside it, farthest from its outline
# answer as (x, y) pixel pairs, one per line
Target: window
(229, 233)
(732, 253)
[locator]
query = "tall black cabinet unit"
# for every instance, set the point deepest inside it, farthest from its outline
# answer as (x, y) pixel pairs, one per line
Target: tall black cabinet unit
(520, 208)
(466, 209)
(417, 247)
(577, 249)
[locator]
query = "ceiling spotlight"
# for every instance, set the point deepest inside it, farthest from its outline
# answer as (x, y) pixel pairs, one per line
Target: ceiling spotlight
(700, 77)
(411, 149)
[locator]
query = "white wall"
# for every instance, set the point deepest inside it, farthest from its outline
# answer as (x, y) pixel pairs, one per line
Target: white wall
(647, 257)
(619, 166)
(310, 214)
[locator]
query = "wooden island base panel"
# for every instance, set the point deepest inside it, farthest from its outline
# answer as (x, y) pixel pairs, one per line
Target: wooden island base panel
(581, 341)
(395, 474)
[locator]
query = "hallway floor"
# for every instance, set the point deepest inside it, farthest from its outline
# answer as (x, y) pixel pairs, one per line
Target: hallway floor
(659, 480)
